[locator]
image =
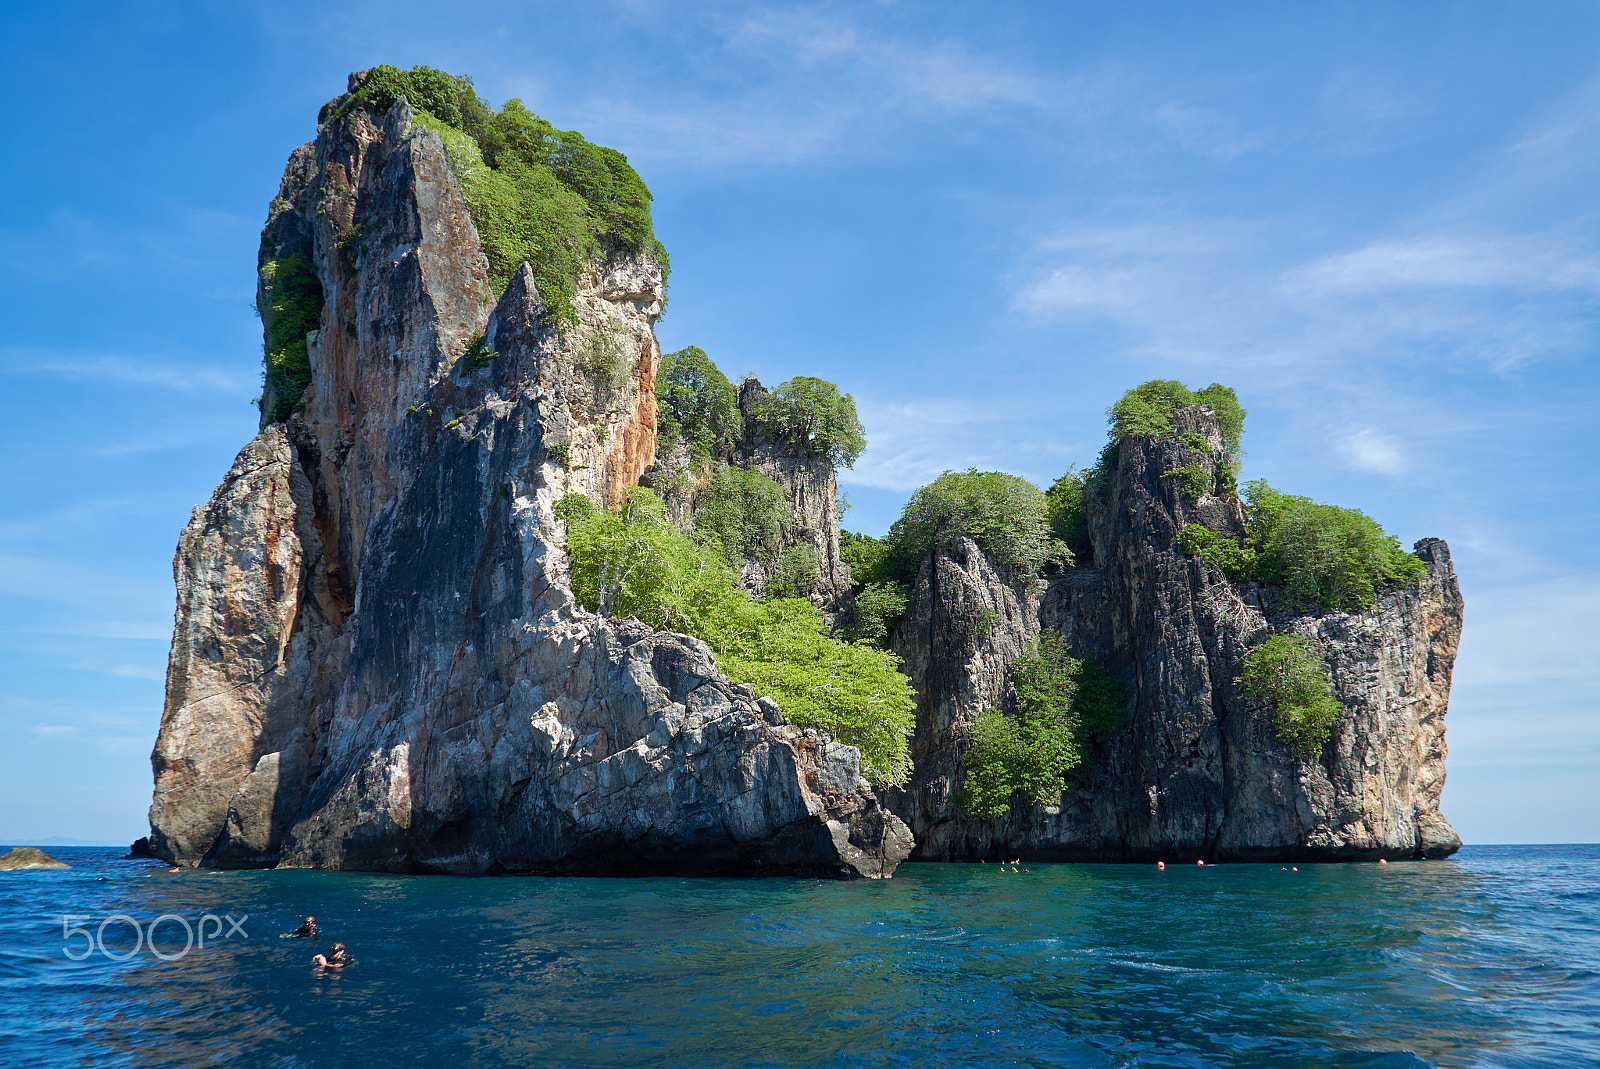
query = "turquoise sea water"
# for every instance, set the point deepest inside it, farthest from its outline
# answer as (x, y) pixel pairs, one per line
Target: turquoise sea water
(1489, 959)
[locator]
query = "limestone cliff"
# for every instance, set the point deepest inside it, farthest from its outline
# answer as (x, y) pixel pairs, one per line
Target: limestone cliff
(376, 660)
(1196, 770)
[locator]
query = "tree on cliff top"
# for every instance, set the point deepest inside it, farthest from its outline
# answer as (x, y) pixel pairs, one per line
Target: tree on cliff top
(1148, 408)
(695, 404)
(1005, 514)
(538, 195)
(814, 416)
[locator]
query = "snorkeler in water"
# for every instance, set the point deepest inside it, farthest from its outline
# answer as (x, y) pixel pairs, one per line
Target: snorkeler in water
(337, 957)
(308, 930)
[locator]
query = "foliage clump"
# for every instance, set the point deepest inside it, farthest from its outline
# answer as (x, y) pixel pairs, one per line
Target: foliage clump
(743, 513)
(289, 300)
(1323, 556)
(695, 405)
(1193, 481)
(1283, 672)
(1005, 514)
(796, 573)
(1148, 408)
(1069, 523)
(1063, 705)
(635, 562)
(606, 358)
(815, 417)
(538, 195)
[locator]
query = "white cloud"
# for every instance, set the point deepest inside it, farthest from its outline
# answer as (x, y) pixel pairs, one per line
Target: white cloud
(1534, 262)
(1374, 451)
(129, 370)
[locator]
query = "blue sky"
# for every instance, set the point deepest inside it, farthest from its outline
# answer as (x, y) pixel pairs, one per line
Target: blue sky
(1377, 222)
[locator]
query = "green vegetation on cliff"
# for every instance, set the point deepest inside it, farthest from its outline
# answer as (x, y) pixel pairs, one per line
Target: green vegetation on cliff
(816, 418)
(538, 195)
(695, 405)
(1283, 672)
(1148, 408)
(635, 562)
(289, 301)
(743, 511)
(1063, 706)
(1322, 556)
(1005, 514)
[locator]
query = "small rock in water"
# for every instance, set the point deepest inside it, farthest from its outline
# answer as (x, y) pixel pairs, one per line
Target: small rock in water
(28, 857)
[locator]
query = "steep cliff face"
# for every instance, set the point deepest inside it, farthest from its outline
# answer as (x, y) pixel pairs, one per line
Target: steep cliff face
(376, 661)
(1197, 770)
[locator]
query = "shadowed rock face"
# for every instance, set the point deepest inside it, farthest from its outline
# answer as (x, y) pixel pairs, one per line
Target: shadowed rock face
(376, 661)
(1197, 770)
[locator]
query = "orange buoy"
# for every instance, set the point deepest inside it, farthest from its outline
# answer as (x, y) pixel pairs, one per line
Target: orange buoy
(1295, 869)
(1198, 862)
(1162, 865)
(1381, 861)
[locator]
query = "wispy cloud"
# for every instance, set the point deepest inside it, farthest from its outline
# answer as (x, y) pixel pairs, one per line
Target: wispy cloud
(155, 371)
(1373, 450)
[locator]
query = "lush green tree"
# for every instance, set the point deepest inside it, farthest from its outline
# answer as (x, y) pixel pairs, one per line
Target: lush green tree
(289, 301)
(695, 404)
(634, 562)
(1006, 515)
(814, 416)
(1064, 504)
(796, 573)
(1322, 555)
(1062, 706)
(744, 512)
(879, 609)
(1283, 672)
(1148, 408)
(866, 557)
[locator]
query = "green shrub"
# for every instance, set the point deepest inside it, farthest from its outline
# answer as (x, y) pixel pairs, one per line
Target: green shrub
(447, 96)
(1322, 555)
(538, 195)
(1063, 705)
(743, 512)
(1223, 470)
(1069, 524)
(607, 358)
(289, 301)
(635, 562)
(523, 215)
(695, 404)
(1148, 408)
(1235, 561)
(574, 507)
(560, 452)
(1282, 672)
(816, 418)
(478, 355)
(1006, 515)
(796, 574)
(879, 609)
(1193, 481)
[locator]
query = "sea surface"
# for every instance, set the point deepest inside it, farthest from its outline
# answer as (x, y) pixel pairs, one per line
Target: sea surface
(1489, 959)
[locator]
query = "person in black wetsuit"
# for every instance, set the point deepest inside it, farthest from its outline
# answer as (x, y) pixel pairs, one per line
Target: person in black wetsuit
(337, 957)
(308, 930)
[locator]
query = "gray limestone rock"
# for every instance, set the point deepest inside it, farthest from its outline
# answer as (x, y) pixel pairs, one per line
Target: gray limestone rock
(1196, 770)
(377, 663)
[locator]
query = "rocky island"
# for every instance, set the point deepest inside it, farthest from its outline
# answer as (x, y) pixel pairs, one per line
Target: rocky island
(500, 587)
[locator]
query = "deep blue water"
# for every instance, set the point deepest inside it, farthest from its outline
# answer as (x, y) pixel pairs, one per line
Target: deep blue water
(1490, 959)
